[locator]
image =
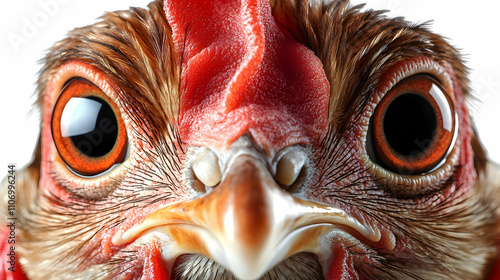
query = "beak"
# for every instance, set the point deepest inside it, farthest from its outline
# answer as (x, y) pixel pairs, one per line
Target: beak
(248, 223)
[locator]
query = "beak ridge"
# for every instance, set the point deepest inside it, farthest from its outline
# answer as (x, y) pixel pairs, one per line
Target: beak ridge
(247, 223)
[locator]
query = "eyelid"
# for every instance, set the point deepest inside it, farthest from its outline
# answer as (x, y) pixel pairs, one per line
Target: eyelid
(407, 68)
(92, 187)
(412, 183)
(73, 69)
(86, 186)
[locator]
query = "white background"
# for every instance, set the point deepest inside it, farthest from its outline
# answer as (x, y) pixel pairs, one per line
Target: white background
(30, 27)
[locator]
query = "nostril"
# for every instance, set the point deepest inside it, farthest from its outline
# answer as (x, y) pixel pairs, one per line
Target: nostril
(289, 166)
(206, 168)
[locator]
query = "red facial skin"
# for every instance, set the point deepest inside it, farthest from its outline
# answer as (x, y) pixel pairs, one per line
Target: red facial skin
(7, 270)
(495, 273)
(241, 74)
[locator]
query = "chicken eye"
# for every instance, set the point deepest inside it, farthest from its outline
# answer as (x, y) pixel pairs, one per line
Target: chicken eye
(87, 129)
(413, 126)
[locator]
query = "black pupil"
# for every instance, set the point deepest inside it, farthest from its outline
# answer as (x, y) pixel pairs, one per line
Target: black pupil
(91, 125)
(410, 124)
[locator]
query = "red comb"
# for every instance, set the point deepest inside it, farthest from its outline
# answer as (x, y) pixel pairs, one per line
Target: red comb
(242, 73)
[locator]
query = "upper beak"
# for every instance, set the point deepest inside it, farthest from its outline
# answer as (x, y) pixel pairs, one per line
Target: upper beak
(248, 223)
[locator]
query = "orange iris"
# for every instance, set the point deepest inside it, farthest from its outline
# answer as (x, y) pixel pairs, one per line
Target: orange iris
(87, 128)
(413, 125)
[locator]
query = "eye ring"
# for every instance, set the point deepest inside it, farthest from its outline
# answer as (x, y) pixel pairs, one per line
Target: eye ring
(414, 126)
(87, 129)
